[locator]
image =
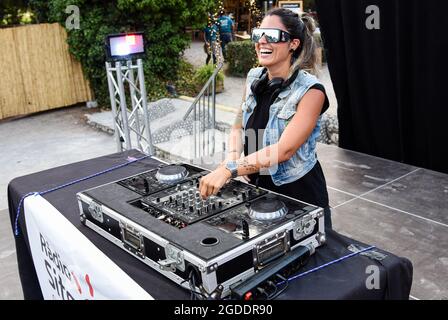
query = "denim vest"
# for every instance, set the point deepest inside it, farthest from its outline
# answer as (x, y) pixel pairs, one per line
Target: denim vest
(280, 113)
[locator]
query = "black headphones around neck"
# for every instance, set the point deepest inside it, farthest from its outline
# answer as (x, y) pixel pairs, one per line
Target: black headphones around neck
(275, 85)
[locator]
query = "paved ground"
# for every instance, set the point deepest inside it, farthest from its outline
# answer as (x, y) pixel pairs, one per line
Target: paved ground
(32, 144)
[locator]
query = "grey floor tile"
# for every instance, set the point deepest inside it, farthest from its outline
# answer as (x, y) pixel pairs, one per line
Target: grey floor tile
(355, 172)
(423, 192)
(10, 287)
(422, 242)
(337, 198)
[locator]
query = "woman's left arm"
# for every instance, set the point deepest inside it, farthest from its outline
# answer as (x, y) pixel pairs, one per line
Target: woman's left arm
(294, 135)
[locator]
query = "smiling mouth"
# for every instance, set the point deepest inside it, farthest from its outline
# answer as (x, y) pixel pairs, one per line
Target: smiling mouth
(265, 52)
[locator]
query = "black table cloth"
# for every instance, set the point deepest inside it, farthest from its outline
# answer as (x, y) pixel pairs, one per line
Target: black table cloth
(342, 280)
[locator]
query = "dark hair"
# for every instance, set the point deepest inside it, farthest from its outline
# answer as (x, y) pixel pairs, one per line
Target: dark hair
(304, 57)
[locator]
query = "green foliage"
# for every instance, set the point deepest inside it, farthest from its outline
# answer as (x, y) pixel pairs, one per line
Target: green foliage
(162, 21)
(13, 12)
(242, 57)
(205, 72)
(185, 82)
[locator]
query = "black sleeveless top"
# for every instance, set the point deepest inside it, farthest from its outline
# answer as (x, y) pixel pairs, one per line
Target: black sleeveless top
(311, 187)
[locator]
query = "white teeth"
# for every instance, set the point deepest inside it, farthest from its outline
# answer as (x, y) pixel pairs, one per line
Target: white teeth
(265, 52)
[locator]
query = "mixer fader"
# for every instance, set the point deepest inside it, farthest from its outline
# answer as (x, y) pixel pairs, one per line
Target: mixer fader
(182, 204)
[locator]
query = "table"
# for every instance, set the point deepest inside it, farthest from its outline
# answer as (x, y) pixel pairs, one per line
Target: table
(343, 280)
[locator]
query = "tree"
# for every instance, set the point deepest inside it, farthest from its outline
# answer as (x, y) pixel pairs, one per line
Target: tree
(162, 21)
(14, 12)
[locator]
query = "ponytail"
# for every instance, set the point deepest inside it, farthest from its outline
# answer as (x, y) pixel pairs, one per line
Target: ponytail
(304, 57)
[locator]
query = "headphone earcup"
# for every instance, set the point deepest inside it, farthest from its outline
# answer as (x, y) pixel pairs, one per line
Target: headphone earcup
(255, 87)
(258, 85)
(275, 83)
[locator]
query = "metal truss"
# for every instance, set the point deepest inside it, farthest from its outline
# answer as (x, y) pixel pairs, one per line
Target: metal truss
(131, 125)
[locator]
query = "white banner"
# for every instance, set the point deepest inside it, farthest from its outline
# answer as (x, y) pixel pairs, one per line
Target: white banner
(68, 265)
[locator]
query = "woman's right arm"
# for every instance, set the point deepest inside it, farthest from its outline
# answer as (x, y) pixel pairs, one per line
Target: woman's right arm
(235, 144)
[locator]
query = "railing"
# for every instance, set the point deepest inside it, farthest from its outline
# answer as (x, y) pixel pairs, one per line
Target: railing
(204, 120)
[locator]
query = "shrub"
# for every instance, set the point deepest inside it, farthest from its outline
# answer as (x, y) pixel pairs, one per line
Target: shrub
(163, 23)
(205, 72)
(185, 83)
(242, 57)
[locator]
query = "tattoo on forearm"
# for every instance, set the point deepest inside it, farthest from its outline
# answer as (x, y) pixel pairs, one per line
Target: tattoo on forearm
(247, 166)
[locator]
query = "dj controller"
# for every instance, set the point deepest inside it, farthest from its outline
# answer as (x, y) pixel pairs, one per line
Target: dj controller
(215, 246)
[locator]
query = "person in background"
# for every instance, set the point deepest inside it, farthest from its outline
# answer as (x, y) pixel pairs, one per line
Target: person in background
(225, 31)
(210, 36)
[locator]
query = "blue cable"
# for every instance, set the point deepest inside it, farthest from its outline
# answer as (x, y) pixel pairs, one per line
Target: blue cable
(326, 264)
(16, 223)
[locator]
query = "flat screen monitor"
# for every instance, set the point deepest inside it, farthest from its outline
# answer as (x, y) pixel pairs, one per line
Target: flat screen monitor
(125, 46)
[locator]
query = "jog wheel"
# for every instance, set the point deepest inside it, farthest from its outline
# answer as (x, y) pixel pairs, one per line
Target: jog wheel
(171, 174)
(267, 209)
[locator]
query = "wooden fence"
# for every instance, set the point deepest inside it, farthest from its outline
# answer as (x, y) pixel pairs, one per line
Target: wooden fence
(37, 72)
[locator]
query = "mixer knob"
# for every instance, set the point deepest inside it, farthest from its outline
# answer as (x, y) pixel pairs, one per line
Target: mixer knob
(220, 203)
(157, 199)
(177, 187)
(170, 199)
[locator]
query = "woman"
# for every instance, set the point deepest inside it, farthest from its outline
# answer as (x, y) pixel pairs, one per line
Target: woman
(280, 116)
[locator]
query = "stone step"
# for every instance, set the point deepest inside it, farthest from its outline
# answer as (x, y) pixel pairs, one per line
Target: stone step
(172, 136)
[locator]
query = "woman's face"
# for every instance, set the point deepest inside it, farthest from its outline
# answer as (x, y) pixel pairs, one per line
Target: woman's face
(270, 54)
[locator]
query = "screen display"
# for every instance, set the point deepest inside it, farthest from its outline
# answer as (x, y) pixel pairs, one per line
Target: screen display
(126, 45)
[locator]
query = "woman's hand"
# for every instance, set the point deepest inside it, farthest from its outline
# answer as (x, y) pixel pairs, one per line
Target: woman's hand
(213, 182)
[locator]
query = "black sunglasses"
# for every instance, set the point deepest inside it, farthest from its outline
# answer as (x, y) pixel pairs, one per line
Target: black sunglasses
(272, 35)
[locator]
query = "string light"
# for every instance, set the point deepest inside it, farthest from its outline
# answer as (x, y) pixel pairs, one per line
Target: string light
(254, 11)
(255, 15)
(214, 33)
